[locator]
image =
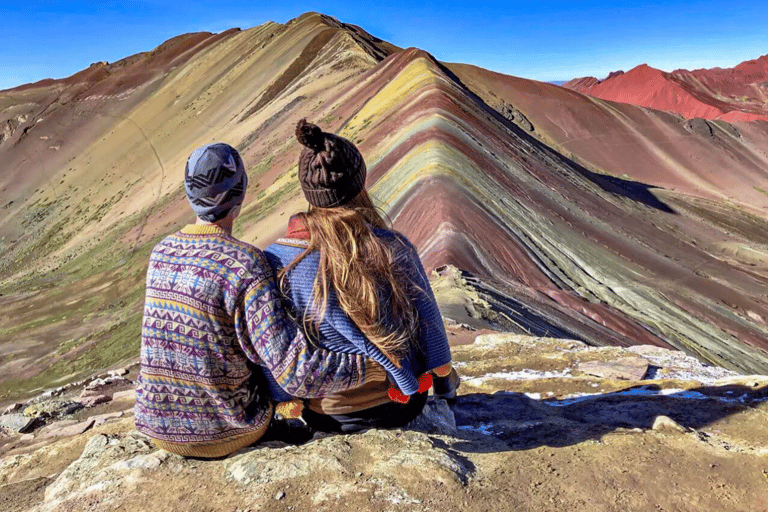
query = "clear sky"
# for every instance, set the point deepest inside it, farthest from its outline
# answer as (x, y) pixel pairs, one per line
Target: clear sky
(545, 40)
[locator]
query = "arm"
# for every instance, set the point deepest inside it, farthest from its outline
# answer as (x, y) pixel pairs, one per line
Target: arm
(337, 333)
(269, 338)
(432, 336)
(437, 352)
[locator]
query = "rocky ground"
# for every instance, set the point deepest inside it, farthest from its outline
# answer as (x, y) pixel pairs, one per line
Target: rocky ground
(541, 424)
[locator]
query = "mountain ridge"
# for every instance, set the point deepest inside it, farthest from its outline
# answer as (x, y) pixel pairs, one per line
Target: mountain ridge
(730, 94)
(516, 183)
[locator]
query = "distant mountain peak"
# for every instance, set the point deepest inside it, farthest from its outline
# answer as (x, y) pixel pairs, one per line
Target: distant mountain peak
(728, 94)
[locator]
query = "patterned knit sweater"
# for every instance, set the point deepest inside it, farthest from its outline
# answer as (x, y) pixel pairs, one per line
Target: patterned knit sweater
(339, 332)
(212, 318)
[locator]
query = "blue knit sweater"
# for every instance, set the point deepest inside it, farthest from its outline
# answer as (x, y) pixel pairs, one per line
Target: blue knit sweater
(339, 333)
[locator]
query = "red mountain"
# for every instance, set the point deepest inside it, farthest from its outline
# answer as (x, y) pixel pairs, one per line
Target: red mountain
(734, 94)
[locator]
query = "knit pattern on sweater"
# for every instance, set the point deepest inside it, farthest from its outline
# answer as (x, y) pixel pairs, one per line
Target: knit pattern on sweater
(212, 317)
(339, 332)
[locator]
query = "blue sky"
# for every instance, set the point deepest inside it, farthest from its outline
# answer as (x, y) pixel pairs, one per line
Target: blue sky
(544, 40)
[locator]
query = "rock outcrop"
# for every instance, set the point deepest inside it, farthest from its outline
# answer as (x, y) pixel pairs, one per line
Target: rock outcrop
(529, 431)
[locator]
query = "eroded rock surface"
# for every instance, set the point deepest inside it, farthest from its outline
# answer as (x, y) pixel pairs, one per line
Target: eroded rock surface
(529, 432)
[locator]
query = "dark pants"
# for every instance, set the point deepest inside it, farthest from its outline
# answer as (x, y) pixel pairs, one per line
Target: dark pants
(390, 415)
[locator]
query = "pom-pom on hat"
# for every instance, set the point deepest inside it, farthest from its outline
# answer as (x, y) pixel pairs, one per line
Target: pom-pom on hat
(331, 169)
(215, 181)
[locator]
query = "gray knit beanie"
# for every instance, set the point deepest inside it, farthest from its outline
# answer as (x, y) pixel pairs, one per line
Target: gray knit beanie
(331, 169)
(215, 181)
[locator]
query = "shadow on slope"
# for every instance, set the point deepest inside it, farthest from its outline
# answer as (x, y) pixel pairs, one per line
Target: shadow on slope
(634, 190)
(522, 423)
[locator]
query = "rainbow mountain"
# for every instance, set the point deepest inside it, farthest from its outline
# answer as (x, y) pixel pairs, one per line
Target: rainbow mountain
(552, 213)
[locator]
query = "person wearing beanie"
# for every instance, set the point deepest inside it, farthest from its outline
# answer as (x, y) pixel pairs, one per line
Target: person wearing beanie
(214, 326)
(355, 286)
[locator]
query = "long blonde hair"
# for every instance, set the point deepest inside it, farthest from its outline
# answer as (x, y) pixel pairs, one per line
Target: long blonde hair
(365, 272)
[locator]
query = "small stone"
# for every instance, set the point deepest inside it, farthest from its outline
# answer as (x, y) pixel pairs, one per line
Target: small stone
(280, 495)
(13, 408)
(118, 373)
(100, 384)
(665, 423)
(127, 394)
(95, 384)
(91, 401)
(102, 418)
(27, 437)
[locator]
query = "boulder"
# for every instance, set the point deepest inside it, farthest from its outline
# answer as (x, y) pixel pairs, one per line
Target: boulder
(53, 408)
(123, 395)
(699, 126)
(106, 382)
(13, 408)
(626, 368)
(56, 426)
(390, 456)
(18, 422)
(71, 430)
(436, 418)
(103, 418)
(90, 401)
(667, 424)
(118, 373)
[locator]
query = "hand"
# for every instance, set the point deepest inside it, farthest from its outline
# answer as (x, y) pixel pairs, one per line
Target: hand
(445, 387)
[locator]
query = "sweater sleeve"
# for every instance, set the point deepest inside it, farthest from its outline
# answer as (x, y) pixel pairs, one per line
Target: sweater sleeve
(268, 337)
(434, 341)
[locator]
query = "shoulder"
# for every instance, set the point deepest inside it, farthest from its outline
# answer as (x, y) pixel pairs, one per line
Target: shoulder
(168, 246)
(391, 234)
(174, 239)
(399, 242)
(249, 251)
(247, 259)
(284, 251)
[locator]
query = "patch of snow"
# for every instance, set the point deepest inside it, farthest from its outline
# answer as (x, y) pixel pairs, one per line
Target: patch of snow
(650, 392)
(518, 375)
(677, 365)
(482, 428)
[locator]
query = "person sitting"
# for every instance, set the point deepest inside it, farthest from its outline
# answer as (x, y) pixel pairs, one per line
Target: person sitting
(356, 286)
(214, 326)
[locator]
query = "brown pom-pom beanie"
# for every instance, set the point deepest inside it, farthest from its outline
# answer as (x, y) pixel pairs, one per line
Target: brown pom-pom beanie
(331, 169)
